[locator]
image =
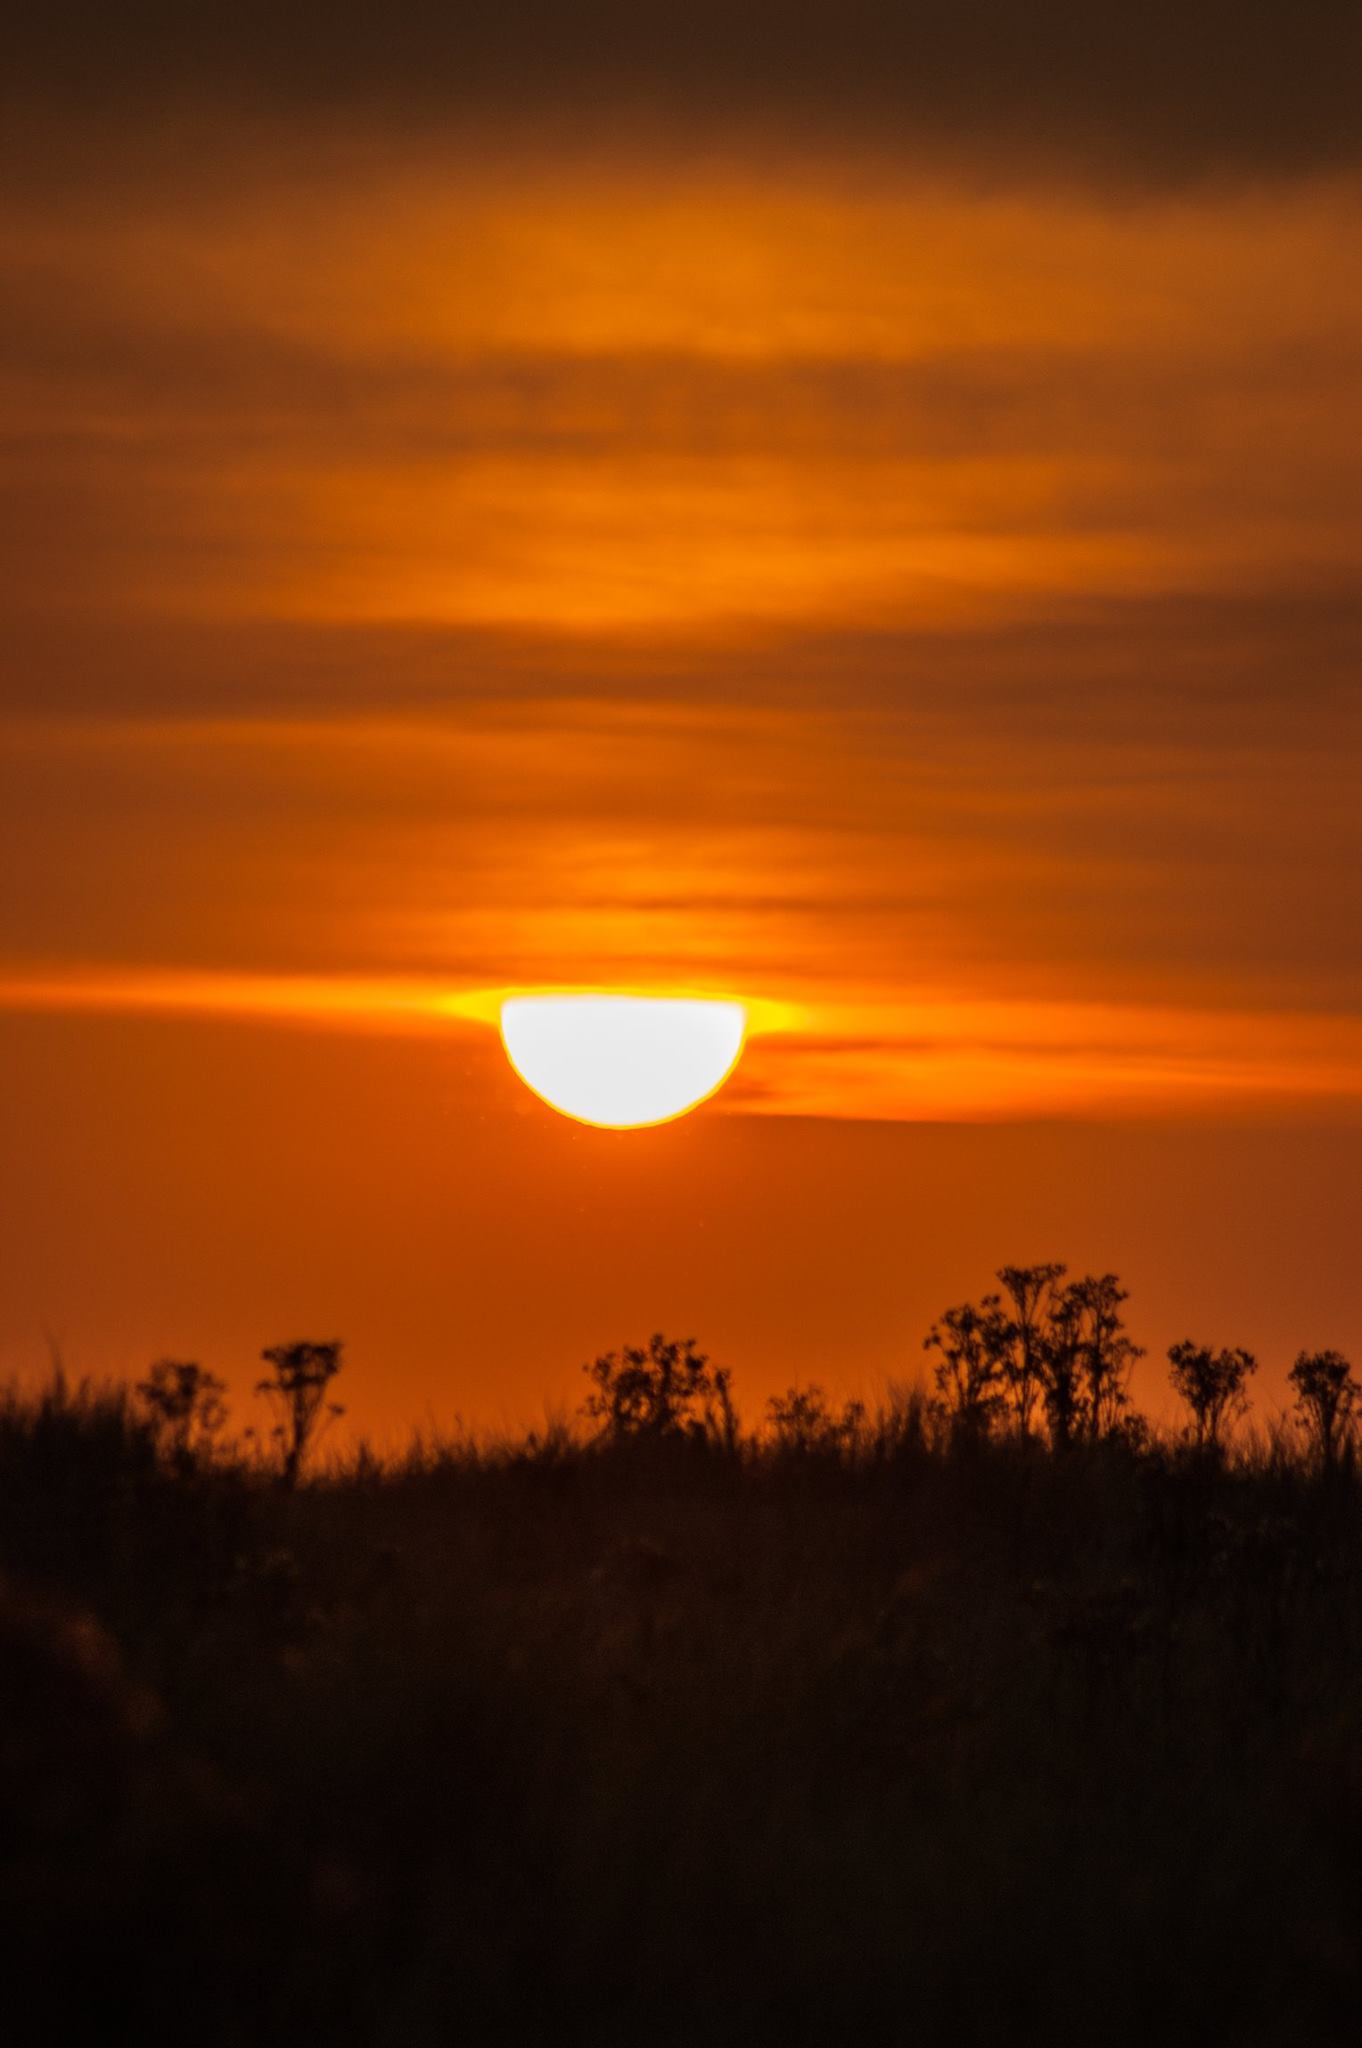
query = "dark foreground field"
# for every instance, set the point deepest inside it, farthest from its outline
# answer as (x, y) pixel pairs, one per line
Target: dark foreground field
(678, 1744)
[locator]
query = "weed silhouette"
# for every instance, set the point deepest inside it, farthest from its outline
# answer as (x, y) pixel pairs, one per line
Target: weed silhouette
(186, 1408)
(1038, 1346)
(973, 1382)
(1327, 1400)
(1213, 1384)
(296, 1388)
(664, 1389)
(801, 1424)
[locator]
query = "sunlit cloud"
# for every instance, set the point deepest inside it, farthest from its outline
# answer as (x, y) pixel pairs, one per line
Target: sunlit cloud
(811, 573)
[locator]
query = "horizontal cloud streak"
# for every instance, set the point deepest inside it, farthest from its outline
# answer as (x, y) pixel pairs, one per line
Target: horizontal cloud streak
(939, 1057)
(904, 408)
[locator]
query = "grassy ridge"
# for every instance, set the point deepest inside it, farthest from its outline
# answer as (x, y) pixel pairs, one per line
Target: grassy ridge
(905, 1739)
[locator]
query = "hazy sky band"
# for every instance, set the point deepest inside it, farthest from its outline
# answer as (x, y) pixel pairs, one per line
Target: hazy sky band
(1167, 91)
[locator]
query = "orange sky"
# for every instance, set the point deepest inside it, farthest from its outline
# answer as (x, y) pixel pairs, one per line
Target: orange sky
(907, 576)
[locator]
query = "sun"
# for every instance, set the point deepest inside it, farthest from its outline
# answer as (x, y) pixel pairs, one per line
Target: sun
(622, 1061)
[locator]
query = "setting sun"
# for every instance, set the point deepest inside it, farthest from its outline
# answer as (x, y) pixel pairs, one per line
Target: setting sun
(621, 1061)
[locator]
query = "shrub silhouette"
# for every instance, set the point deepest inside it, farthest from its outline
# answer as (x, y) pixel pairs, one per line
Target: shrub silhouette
(666, 1388)
(186, 1409)
(802, 1424)
(1063, 1349)
(972, 1376)
(1031, 1293)
(1327, 1398)
(1212, 1383)
(296, 1390)
(1088, 1320)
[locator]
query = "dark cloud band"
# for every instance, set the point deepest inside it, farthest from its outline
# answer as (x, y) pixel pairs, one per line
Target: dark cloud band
(1168, 90)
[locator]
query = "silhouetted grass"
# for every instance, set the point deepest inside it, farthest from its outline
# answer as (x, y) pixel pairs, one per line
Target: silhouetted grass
(896, 1738)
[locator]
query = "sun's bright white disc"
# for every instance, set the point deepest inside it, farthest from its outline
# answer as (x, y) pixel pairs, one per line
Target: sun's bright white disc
(622, 1060)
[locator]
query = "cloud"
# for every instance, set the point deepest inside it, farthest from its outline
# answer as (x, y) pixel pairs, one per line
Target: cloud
(931, 828)
(1267, 670)
(434, 563)
(1168, 90)
(669, 405)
